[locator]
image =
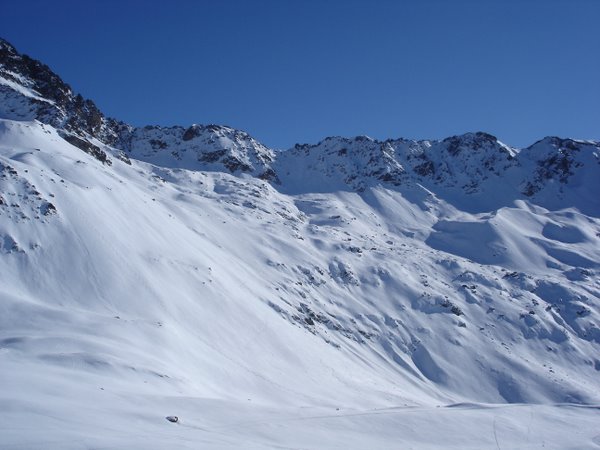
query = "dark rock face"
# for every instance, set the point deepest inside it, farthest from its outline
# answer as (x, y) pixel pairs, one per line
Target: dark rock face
(233, 164)
(191, 133)
(212, 157)
(157, 144)
(47, 209)
(88, 147)
(474, 141)
(46, 82)
(558, 164)
(65, 110)
(122, 156)
(196, 130)
(270, 175)
(563, 162)
(426, 169)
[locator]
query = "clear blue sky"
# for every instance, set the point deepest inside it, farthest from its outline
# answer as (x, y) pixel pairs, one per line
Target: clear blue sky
(297, 71)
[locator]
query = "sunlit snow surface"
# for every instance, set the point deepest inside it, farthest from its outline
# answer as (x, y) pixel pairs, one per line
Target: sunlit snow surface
(300, 315)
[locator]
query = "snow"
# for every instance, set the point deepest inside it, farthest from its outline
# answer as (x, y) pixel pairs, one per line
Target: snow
(209, 147)
(219, 424)
(18, 87)
(309, 313)
(353, 293)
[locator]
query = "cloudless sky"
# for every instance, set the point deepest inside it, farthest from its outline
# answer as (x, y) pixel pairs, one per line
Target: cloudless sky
(292, 71)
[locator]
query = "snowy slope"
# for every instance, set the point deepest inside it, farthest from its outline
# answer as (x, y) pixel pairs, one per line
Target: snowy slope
(330, 296)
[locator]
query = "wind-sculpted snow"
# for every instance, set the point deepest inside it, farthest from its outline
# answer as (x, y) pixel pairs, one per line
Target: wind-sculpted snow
(353, 293)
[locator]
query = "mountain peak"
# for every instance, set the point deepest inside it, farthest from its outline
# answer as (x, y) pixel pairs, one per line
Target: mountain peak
(31, 90)
(6, 46)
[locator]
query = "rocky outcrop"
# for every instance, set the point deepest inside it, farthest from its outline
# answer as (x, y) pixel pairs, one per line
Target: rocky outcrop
(31, 90)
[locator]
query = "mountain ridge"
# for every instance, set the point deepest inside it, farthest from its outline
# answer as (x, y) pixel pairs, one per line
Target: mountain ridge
(477, 155)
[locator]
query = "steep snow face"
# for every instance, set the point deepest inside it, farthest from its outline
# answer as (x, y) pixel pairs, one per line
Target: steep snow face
(200, 147)
(376, 274)
(134, 284)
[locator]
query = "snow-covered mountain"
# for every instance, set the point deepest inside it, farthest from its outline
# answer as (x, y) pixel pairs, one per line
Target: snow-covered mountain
(350, 294)
(199, 147)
